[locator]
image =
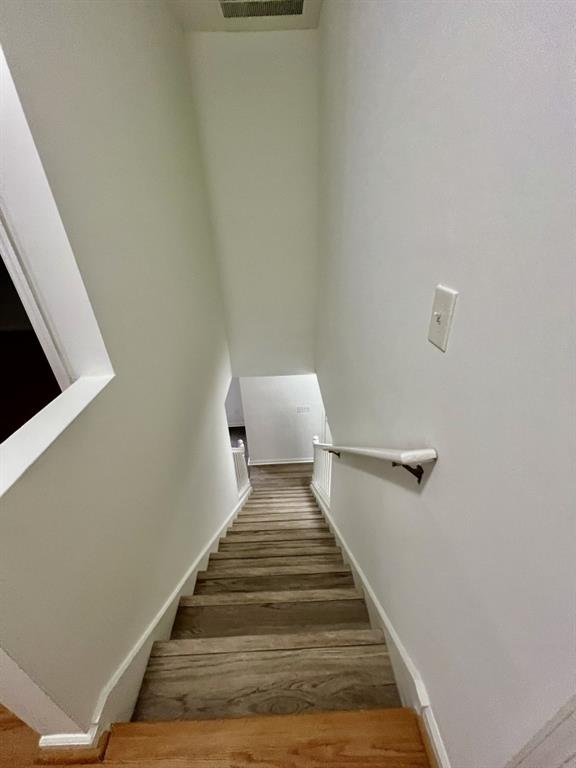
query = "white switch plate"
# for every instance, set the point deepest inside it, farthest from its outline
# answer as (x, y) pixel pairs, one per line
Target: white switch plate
(442, 313)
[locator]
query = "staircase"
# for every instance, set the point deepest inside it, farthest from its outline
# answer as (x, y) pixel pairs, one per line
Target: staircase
(275, 624)
(272, 660)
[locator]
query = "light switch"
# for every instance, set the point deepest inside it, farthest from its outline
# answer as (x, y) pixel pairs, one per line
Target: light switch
(442, 313)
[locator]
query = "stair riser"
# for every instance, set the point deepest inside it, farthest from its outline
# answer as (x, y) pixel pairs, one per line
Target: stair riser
(280, 618)
(227, 545)
(267, 514)
(280, 485)
(306, 535)
(279, 570)
(277, 503)
(298, 641)
(274, 517)
(288, 525)
(270, 515)
(263, 512)
(277, 495)
(272, 597)
(276, 583)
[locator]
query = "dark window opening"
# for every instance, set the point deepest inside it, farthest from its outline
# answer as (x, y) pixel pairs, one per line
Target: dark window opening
(28, 383)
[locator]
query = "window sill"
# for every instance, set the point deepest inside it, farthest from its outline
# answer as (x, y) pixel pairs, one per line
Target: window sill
(21, 449)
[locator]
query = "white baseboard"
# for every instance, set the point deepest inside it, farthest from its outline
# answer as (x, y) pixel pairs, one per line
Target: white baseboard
(252, 463)
(245, 489)
(117, 698)
(410, 684)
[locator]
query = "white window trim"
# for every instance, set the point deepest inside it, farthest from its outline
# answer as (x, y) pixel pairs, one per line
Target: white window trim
(32, 308)
(23, 447)
(40, 260)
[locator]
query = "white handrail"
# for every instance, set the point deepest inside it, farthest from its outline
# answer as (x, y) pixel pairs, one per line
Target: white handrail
(322, 471)
(396, 455)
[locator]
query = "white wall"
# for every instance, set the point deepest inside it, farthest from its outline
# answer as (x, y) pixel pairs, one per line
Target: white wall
(448, 156)
(234, 410)
(282, 415)
(256, 95)
(96, 534)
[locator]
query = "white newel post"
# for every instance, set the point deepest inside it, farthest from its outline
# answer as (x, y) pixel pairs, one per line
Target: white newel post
(322, 471)
(241, 467)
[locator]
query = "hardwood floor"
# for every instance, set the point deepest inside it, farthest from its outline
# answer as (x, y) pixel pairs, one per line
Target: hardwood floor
(377, 738)
(18, 743)
(364, 739)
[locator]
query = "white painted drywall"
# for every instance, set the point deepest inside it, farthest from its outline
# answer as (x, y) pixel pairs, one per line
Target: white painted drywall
(96, 534)
(256, 95)
(37, 253)
(448, 156)
(234, 410)
(282, 415)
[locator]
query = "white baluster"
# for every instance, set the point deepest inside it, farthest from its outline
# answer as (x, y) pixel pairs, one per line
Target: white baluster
(241, 467)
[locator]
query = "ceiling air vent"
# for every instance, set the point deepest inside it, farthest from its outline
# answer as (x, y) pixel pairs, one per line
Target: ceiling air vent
(243, 9)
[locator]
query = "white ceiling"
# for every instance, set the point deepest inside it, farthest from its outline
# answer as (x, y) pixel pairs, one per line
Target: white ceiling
(206, 15)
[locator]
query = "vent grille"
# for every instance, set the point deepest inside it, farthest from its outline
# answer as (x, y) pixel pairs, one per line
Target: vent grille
(242, 9)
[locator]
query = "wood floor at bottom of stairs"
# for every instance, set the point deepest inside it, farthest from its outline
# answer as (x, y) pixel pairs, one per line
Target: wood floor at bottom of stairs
(388, 738)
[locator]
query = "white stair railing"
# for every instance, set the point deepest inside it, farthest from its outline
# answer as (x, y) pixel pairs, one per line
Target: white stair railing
(322, 471)
(241, 467)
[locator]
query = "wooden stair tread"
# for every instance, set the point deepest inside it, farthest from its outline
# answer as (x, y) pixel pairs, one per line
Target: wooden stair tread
(277, 503)
(277, 500)
(284, 582)
(233, 619)
(237, 545)
(272, 570)
(236, 536)
(281, 525)
(281, 497)
(377, 738)
(248, 598)
(296, 483)
(266, 682)
(281, 506)
(262, 562)
(248, 643)
(273, 517)
(255, 552)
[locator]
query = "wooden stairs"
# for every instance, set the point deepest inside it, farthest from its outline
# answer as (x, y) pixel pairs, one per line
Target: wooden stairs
(276, 626)
(272, 661)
